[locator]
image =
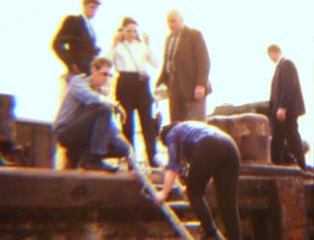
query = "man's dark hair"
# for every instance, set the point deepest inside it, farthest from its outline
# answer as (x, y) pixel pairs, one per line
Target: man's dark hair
(91, 1)
(274, 48)
(99, 62)
(165, 130)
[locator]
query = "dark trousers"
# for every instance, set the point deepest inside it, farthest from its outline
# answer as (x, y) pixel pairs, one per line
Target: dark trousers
(218, 160)
(134, 94)
(6, 147)
(286, 131)
(182, 109)
(89, 134)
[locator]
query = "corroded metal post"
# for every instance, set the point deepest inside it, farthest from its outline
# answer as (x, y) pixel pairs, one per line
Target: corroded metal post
(292, 208)
(250, 132)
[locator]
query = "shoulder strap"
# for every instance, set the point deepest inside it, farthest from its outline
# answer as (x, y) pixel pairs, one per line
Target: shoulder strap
(130, 52)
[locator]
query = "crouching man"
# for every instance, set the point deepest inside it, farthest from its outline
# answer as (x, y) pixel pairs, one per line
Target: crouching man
(199, 152)
(86, 124)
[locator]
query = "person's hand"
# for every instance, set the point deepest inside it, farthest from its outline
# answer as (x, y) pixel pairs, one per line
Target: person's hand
(161, 92)
(160, 197)
(199, 92)
(97, 50)
(281, 114)
(120, 110)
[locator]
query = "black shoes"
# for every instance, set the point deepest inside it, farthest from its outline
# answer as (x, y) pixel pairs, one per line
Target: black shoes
(107, 167)
(79, 158)
(99, 165)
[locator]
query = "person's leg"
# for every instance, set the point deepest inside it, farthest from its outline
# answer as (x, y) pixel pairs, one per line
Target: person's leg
(226, 182)
(76, 136)
(102, 129)
(200, 172)
(126, 91)
(145, 114)
(118, 147)
(277, 142)
(176, 109)
(294, 141)
(128, 126)
(6, 147)
(199, 204)
(73, 157)
(195, 110)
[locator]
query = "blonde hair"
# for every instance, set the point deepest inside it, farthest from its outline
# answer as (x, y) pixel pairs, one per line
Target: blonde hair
(274, 48)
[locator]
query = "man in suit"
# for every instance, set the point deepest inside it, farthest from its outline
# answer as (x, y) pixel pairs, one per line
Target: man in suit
(286, 105)
(75, 42)
(185, 71)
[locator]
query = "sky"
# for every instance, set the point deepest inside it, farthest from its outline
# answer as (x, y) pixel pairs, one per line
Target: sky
(237, 34)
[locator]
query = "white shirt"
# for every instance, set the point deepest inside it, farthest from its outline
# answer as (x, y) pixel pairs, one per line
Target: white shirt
(278, 61)
(89, 26)
(132, 57)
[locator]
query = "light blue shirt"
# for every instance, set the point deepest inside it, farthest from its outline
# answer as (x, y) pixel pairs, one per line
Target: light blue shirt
(79, 95)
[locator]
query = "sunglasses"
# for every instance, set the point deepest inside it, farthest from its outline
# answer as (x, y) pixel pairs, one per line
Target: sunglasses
(131, 31)
(106, 74)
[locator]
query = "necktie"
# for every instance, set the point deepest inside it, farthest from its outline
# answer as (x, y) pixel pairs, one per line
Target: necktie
(170, 52)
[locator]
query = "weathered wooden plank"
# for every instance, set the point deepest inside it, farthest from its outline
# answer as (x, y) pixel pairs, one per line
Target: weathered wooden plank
(39, 136)
(263, 200)
(46, 188)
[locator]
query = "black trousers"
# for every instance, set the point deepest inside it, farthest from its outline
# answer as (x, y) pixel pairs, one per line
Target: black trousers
(217, 159)
(134, 94)
(286, 131)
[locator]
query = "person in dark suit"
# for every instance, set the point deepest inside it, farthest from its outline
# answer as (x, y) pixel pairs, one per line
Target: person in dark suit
(75, 42)
(286, 105)
(185, 71)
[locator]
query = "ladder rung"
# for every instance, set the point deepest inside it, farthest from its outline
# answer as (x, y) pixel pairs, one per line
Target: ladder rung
(151, 188)
(160, 186)
(192, 224)
(179, 204)
(151, 170)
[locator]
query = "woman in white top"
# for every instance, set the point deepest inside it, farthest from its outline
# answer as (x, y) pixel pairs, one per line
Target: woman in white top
(130, 56)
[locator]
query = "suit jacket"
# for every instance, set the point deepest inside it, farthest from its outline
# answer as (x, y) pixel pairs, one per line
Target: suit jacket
(286, 91)
(74, 44)
(191, 63)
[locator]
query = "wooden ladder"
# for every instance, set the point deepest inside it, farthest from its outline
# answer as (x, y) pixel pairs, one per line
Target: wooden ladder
(169, 208)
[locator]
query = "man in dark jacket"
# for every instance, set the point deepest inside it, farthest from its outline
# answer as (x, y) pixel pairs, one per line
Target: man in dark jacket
(185, 71)
(75, 42)
(286, 105)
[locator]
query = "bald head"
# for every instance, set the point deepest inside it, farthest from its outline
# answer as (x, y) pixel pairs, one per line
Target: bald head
(175, 21)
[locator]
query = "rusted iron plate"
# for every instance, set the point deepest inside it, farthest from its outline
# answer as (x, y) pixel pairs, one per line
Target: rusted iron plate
(251, 133)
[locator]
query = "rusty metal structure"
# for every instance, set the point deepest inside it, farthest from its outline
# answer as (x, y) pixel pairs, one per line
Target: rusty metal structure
(38, 202)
